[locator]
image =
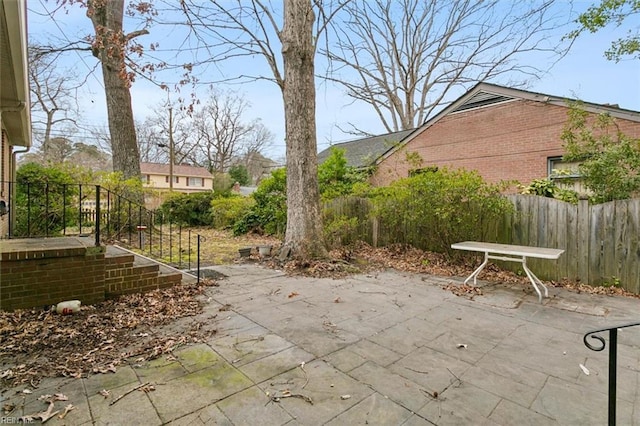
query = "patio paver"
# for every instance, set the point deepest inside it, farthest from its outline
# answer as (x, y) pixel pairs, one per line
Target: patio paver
(378, 348)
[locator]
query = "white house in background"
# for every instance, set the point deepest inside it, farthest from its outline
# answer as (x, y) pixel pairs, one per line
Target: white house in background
(186, 179)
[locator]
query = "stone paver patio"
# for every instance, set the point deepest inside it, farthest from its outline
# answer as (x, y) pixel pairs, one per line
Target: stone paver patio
(389, 348)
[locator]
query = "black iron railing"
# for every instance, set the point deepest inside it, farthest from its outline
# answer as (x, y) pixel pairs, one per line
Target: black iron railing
(613, 360)
(43, 209)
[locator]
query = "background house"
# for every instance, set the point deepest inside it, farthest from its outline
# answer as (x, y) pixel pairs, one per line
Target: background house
(15, 120)
(361, 153)
(503, 133)
(186, 179)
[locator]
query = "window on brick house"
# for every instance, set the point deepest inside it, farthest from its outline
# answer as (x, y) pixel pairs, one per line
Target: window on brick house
(166, 179)
(559, 169)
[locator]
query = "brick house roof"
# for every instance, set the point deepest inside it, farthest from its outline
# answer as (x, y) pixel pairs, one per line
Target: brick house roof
(485, 94)
(178, 170)
(364, 152)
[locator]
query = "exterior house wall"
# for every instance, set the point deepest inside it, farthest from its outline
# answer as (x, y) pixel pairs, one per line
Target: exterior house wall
(507, 141)
(160, 182)
(5, 178)
(156, 177)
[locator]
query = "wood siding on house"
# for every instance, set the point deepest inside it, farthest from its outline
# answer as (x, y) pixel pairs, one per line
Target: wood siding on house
(510, 140)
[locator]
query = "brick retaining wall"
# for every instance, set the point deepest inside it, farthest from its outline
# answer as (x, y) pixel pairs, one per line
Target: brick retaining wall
(36, 273)
(30, 278)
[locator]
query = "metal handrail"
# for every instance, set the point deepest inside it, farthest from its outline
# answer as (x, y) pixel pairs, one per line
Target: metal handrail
(48, 214)
(613, 360)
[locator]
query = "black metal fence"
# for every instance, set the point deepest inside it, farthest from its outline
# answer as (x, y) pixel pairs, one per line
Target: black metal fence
(44, 209)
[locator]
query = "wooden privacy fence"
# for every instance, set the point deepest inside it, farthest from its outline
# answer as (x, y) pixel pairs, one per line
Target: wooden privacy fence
(601, 242)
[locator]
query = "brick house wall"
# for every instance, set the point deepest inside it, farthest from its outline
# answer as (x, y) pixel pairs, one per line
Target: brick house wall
(511, 140)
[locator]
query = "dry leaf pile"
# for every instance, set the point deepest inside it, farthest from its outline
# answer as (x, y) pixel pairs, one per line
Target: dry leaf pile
(37, 344)
(465, 290)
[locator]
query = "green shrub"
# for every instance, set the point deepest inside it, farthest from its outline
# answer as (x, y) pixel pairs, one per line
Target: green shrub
(336, 179)
(269, 213)
(339, 231)
(227, 211)
(433, 210)
(188, 209)
(239, 173)
(548, 188)
(46, 200)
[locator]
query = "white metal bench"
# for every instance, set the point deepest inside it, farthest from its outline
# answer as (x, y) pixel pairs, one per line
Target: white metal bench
(510, 253)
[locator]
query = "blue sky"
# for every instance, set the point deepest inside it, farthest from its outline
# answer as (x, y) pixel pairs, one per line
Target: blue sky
(583, 73)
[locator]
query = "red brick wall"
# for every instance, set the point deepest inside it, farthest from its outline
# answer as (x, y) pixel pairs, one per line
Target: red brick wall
(46, 277)
(508, 141)
(121, 277)
(36, 278)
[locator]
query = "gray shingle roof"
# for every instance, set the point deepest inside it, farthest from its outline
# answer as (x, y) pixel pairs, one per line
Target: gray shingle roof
(364, 152)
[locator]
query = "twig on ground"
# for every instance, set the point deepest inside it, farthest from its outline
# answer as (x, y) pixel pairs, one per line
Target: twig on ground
(128, 392)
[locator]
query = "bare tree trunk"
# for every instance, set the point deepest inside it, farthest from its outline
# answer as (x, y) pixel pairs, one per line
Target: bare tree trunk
(109, 45)
(303, 236)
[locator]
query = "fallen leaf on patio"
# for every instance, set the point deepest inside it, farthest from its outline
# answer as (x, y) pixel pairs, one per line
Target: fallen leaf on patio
(585, 370)
(345, 396)
(105, 393)
(7, 374)
(104, 370)
(27, 391)
(43, 416)
(293, 294)
(337, 300)
(66, 410)
(225, 307)
(7, 408)
(147, 388)
(461, 346)
(52, 398)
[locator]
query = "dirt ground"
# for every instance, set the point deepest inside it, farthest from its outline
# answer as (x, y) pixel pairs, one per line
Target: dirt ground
(221, 247)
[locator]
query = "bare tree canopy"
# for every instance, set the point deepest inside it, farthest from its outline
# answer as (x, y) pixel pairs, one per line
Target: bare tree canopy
(116, 51)
(213, 134)
(287, 40)
(402, 57)
(53, 97)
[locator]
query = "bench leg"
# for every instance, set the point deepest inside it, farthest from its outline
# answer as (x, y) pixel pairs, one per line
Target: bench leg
(475, 273)
(534, 280)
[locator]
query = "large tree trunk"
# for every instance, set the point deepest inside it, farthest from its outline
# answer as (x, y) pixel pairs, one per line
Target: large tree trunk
(109, 47)
(304, 233)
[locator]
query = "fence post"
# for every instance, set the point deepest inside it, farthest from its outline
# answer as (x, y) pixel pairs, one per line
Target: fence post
(98, 213)
(79, 209)
(583, 240)
(374, 231)
(198, 268)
